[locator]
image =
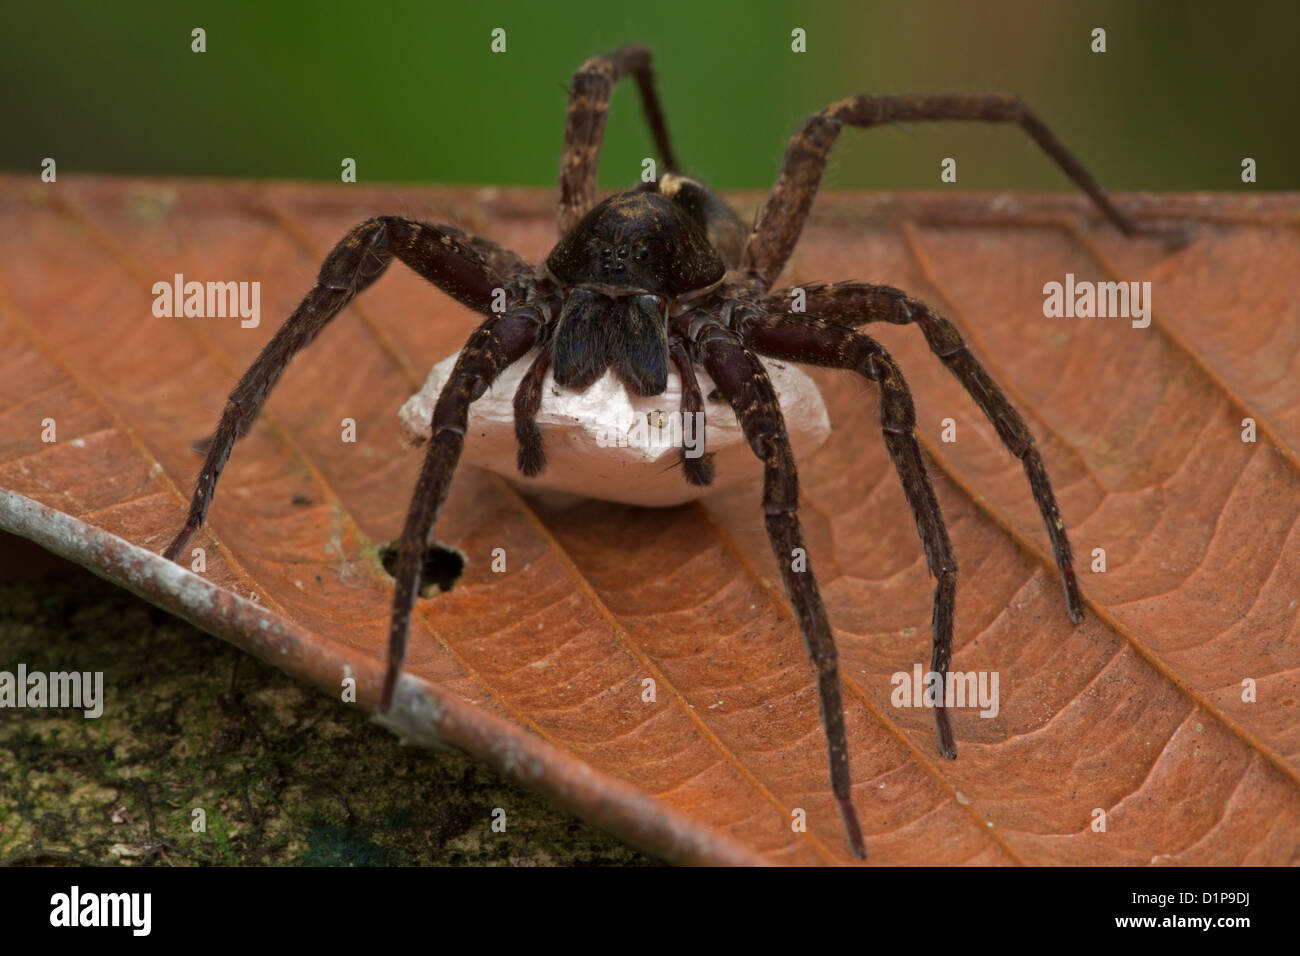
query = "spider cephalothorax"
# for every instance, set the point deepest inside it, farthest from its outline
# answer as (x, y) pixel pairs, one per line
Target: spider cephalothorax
(668, 275)
(620, 267)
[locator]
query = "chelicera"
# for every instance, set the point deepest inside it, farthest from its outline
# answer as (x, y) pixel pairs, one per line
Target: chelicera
(667, 275)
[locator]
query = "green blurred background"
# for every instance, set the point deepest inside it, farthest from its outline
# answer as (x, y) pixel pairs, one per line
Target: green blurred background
(413, 93)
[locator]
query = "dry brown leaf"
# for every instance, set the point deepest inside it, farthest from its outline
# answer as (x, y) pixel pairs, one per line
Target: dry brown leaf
(1138, 712)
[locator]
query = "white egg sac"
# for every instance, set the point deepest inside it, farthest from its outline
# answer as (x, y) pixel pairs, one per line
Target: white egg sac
(605, 443)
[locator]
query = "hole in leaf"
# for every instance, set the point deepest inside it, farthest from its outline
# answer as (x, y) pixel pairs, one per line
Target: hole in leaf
(442, 568)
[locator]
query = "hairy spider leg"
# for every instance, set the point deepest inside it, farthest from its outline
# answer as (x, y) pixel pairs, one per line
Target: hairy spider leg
(492, 347)
(744, 383)
(501, 262)
(858, 303)
(584, 126)
(815, 341)
(777, 231)
(437, 254)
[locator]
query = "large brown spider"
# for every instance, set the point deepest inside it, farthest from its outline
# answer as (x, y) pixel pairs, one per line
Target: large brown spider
(667, 273)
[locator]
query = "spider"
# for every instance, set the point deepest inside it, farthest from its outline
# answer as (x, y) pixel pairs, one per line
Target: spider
(663, 275)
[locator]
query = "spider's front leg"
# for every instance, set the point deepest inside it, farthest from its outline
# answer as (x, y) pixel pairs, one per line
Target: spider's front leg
(742, 380)
(858, 303)
(493, 346)
(783, 217)
(357, 261)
